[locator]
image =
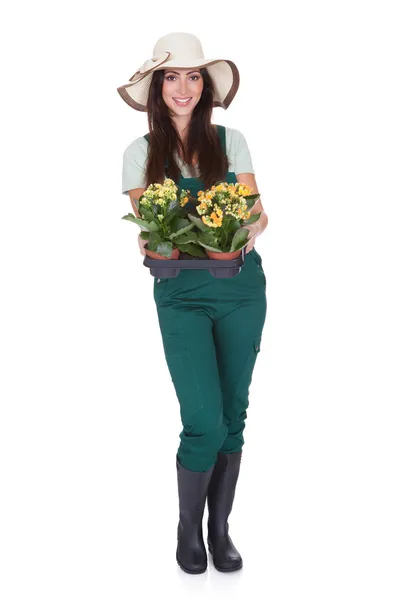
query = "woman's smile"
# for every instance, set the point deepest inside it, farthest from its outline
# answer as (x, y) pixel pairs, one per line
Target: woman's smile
(182, 102)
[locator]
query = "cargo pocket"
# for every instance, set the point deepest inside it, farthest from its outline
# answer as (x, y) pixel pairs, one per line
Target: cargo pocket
(186, 383)
(242, 390)
(254, 354)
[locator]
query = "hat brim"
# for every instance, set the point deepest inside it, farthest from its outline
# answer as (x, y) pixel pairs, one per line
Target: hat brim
(224, 74)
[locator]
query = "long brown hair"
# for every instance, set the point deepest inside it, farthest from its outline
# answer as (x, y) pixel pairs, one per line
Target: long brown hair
(202, 137)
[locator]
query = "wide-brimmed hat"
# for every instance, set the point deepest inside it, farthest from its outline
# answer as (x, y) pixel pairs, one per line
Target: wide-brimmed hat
(181, 50)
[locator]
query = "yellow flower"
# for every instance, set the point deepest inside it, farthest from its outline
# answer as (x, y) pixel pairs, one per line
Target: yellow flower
(243, 189)
(145, 202)
(209, 222)
(184, 200)
(217, 220)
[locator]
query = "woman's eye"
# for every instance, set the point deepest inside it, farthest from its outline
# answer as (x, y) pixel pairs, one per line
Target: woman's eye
(173, 77)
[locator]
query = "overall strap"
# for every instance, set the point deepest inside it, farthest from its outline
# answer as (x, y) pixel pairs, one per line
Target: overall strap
(222, 136)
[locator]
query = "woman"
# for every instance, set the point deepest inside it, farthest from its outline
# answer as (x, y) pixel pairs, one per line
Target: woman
(211, 328)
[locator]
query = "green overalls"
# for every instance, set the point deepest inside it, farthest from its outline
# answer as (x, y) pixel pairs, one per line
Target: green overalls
(211, 330)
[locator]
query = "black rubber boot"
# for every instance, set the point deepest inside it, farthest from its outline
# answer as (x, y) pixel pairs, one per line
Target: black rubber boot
(191, 553)
(221, 493)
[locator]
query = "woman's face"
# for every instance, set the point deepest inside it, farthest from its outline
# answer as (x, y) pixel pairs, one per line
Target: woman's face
(182, 84)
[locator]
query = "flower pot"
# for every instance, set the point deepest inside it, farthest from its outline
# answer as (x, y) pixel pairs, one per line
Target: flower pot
(151, 254)
(223, 255)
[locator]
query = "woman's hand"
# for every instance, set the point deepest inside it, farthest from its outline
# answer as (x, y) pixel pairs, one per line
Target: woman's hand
(255, 229)
(252, 237)
(142, 243)
(250, 245)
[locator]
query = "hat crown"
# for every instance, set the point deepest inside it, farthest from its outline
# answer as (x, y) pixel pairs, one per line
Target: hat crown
(180, 45)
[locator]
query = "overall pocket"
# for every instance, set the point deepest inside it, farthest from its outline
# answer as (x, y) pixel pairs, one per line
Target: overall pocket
(159, 288)
(258, 260)
(242, 389)
(256, 257)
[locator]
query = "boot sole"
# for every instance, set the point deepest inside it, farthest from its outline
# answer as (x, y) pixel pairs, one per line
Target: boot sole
(197, 572)
(225, 569)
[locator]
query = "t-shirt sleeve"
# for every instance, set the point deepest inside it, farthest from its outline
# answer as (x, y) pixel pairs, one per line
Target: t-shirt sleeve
(134, 165)
(243, 162)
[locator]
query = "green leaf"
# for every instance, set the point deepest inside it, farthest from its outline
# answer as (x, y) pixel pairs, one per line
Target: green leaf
(173, 204)
(129, 217)
(207, 237)
(141, 222)
(156, 208)
(213, 248)
(144, 235)
(144, 225)
(189, 235)
(198, 222)
(165, 249)
(231, 225)
(208, 240)
(252, 219)
(182, 222)
(251, 200)
(172, 212)
(182, 230)
(187, 238)
(153, 225)
(146, 213)
(192, 249)
(154, 241)
(239, 239)
(157, 244)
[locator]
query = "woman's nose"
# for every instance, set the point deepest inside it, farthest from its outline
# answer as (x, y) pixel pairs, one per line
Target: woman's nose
(182, 88)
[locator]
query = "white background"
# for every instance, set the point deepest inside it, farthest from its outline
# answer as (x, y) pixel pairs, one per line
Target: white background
(89, 417)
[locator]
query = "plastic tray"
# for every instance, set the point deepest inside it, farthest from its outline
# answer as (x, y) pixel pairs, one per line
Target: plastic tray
(172, 267)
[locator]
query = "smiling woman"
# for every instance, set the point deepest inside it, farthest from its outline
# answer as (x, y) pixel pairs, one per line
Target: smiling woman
(211, 327)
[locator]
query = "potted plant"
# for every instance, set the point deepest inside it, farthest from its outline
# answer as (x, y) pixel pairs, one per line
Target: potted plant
(163, 221)
(224, 210)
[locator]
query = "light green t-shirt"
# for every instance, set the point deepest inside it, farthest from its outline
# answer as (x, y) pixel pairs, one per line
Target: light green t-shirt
(135, 157)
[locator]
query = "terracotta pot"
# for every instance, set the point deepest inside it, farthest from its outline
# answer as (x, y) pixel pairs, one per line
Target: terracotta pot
(223, 255)
(151, 254)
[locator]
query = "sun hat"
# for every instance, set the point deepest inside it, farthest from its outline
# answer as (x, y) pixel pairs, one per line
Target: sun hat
(181, 50)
